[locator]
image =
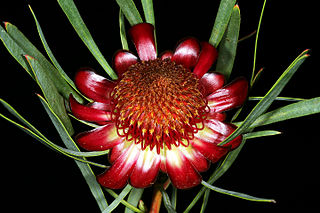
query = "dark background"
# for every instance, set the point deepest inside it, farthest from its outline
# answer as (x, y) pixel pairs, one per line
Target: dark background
(283, 167)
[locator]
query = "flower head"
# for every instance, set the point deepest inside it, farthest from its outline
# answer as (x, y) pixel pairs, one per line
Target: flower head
(162, 114)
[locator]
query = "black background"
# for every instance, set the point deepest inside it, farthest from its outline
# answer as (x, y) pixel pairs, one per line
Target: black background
(283, 167)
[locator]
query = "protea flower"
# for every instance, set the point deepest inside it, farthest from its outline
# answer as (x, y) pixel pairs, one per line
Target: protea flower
(163, 113)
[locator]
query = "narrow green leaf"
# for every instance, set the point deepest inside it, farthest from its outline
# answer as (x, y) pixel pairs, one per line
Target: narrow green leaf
(71, 11)
(229, 43)
(256, 44)
(237, 194)
(130, 10)
(51, 145)
(259, 134)
(123, 35)
(84, 122)
(148, 11)
(53, 59)
(174, 197)
(27, 48)
(117, 201)
(220, 170)
(85, 169)
(205, 201)
(15, 50)
(221, 21)
(264, 103)
(127, 204)
(166, 201)
(295, 110)
(50, 92)
(133, 198)
(258, 98)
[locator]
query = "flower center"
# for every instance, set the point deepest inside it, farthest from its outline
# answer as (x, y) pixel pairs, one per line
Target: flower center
(157, 103)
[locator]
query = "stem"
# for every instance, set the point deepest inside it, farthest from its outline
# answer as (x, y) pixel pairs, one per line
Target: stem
(157, 196)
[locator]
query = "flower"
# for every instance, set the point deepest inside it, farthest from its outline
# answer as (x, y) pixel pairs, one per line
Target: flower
(162, 114)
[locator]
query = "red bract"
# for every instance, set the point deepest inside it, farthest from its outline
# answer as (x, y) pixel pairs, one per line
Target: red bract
(162, 114)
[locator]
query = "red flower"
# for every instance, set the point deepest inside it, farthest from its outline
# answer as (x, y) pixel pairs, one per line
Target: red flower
(163, 114)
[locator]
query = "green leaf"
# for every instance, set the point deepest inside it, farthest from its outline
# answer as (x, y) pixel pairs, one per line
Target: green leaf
(228, 45)
(267, 100)
(256, 45)
(25, 47)
(221, 21)
(50, 92)
(258, 98)
(174, 197)
(85, 169)
(34, 132)
(53, 59)
(259, 134)
(148, 11)
(295, 110)
(127, 204)
(71, 11)
(236, 194)
(130, 10)
(205, 201)
(123, 36)
(220, 170)
(15, 50)
(117, 201)
(166, 201)
(133, 198)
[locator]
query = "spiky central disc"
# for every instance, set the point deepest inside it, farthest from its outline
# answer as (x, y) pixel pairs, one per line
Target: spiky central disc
(158, 103)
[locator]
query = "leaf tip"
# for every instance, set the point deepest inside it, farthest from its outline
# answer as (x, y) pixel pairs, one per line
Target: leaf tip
(6, 23)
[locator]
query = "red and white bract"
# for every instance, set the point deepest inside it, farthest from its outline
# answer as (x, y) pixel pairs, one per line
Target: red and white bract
(163, 113)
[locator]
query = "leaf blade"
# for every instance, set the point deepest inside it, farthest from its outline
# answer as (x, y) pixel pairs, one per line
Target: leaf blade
(221, 21)
(130, 11)
(73, 15)
(117, 201)
(229, 43)
(264, 103)
(85, 169)
(236, 194)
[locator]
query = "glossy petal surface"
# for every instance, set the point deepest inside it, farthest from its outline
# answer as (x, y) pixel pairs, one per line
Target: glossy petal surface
(187, 53)
(146, 169)
(230, 96)
(98, 139)
(143, 39)
(88, 113)
(181, 172)
(122, 60)
(210, 82)
(117, 175)
(199, 162)
(166, 54)
(93, 86)
(207, 57)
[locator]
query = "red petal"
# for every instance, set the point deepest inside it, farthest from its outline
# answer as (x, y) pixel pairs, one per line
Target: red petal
(187, 53)
(87, 113)
(181, 172)
(123, 60)
(228, 97)
(101, 138)
(116, 151)
(146, 170)
(167, 54)
(211, 151)
(216, 116)
(100, 106)
(207, 57)
(143, 38)
(94, 86)
(118, 174)
(210, 82)
(199, 162)
(214, 132)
